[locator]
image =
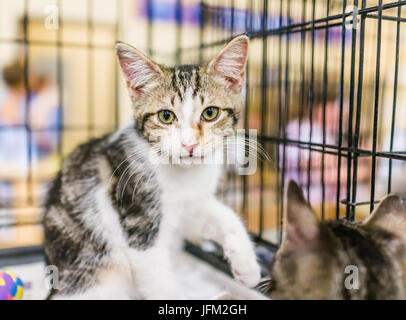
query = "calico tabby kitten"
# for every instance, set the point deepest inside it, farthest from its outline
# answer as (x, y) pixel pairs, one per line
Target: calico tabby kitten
(320, 260)
(115, 206)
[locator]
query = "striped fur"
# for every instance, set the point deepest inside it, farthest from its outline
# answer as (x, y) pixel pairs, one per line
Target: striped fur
(186, 90)
(113, 211)
(316, 259)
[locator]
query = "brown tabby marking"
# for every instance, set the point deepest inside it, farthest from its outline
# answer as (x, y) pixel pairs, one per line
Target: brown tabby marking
(313, 257)
(203, 85)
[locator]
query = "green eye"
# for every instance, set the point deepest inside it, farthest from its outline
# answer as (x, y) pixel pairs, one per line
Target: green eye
(210, 114)
(166, 116)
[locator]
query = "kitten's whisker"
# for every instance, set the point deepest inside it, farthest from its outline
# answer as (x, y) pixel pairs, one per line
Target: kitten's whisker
(122, 162)
(251, 149)
(264, 285)
(119, 189)
(122, 176)
(138, 181)
(126, 169)
(251, 145)
(128, 180)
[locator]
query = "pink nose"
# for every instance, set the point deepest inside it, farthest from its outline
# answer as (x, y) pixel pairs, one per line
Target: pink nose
(189, 148)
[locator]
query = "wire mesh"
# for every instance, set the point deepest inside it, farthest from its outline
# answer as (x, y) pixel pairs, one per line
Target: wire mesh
(323, 89)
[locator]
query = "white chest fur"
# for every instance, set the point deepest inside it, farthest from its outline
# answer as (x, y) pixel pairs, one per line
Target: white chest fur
(184, 189)
(189, 182)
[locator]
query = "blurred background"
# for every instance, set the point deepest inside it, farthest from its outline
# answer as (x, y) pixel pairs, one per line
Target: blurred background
(324, 90)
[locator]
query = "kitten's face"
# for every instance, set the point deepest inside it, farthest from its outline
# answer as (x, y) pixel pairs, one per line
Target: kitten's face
(184, 112)
(312, 260)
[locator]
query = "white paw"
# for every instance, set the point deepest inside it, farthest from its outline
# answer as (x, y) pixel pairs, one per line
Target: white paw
(248, 273)
(243, 261)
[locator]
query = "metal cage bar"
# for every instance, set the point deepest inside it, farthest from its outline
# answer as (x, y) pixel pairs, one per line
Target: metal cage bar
(276, 82)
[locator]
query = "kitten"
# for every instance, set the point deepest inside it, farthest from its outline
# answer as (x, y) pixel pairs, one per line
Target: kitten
(116, 207)
(339, 259)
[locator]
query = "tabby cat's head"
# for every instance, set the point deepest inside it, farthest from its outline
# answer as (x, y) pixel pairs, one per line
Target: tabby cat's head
(338, 259)
(181, 111)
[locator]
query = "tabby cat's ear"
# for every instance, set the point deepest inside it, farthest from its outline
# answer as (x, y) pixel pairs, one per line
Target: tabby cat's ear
(141, 73)
(300, 224)
(229, 64)
(390, 215)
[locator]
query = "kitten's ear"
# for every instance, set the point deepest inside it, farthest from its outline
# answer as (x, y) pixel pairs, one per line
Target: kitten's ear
(141, 73)
(300, 224)
(229, 64)
(390, 215)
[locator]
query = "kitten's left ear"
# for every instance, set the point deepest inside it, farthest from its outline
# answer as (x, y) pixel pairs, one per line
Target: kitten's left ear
(141, 73)
(390, 215)
(300, 224)
(229, 64)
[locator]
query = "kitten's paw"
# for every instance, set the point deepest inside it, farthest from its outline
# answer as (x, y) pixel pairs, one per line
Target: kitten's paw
(248, 274)
(243, 261)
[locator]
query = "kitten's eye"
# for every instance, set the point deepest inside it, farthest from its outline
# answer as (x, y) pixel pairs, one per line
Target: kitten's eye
(166, 116)
(210, 114)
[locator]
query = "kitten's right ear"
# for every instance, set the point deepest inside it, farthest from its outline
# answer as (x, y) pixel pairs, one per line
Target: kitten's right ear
(229, 64)
(141, 73)
(390, 215)
(300, 223)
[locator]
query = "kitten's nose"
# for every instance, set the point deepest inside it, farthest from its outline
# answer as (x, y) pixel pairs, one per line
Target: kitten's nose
(189, 148)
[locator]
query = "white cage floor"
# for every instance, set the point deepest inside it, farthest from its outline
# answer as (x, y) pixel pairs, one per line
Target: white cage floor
(198, 279)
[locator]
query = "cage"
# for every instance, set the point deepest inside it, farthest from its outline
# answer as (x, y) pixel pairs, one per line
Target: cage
(323, 90)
